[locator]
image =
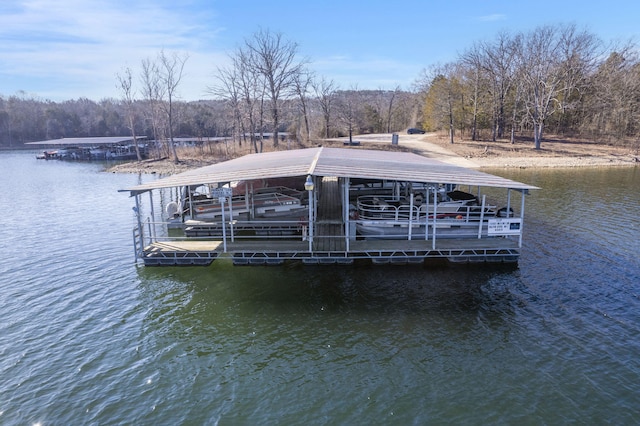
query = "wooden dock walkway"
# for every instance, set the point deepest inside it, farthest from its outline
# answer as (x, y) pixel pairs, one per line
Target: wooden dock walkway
(329, 231)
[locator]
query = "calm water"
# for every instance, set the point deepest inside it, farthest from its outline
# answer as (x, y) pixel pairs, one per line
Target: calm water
(88, 337)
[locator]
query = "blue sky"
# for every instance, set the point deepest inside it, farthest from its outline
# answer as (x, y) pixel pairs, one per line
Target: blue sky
(67, 49)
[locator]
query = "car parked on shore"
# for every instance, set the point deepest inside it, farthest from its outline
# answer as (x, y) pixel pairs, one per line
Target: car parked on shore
(414, 131)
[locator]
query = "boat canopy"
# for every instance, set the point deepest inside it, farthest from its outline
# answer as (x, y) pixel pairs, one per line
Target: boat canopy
(94, 141)
(334, 162)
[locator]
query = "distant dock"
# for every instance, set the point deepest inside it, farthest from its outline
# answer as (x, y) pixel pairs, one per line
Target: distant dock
(108, 148)
(329, 206)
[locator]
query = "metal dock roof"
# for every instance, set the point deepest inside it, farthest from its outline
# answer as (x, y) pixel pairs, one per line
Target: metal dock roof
(336, 162)
(94, 141)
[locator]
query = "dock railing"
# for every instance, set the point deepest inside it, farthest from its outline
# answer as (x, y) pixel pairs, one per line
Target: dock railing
(297, 229)
(390, 208)
(392, 222)
(394, 218)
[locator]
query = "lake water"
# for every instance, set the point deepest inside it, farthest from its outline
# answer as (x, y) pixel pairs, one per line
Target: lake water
(88, 337)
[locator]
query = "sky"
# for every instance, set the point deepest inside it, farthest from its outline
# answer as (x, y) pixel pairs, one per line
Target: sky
(68, 49)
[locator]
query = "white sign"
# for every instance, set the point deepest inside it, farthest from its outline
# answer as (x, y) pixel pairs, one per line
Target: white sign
(221, 192)
(506, 226)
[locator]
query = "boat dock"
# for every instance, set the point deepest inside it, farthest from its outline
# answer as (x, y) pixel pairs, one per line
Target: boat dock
(352, 205)
(108, 148)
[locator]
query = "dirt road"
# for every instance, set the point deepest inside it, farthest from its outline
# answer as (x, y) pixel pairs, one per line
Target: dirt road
(420, 144)
(554, 153)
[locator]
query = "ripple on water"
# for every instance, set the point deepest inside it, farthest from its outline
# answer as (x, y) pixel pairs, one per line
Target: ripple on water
(88, 338)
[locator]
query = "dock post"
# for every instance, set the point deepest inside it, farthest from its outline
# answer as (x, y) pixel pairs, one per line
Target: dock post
(135, 245)
(224, 226)
(345, 212)
(410, 215)
(139, 219)
(522, 194)
(192, 212)
(230, 218)
(153, 218)
(309, 186)
(435, 214)
(484, 198)
(426, 215)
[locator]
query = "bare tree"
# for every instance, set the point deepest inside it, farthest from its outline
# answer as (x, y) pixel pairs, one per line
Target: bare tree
(472, 59)
(390, 107)
(380, 108)
(443, 102)
(499, 63)
(276, 60)
(153, 94)
(252, 89)
(613, 99)
(124, 83)
(553, 61)
(170, 69)
(325, 94)
(244, 90)
(406, 106)
(302, 82)
(228, 89)
(349, 110)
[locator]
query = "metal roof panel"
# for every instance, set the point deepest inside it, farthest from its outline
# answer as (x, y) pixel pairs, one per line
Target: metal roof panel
(94, 141)
(337, 162)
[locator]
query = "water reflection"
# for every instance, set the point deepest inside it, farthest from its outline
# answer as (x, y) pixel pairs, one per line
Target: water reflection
(305, 329)
(342, 289)
(232, 307)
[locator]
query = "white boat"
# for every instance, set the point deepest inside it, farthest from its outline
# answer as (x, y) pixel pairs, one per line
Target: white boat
(123, 152)
(274, 202)
(268, 211)
(47, 155)
(401, 208)
(393, 217)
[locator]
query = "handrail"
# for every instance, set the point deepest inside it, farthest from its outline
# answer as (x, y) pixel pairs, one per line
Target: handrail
(390, 208)
(138, 245)
(242, 229)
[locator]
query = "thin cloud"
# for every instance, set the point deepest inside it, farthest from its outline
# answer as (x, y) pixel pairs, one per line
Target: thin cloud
(492, 18)
(89, 41)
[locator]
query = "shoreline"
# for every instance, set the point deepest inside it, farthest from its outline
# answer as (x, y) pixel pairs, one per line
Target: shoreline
(553, 154)
(552, 162)
(481, 155)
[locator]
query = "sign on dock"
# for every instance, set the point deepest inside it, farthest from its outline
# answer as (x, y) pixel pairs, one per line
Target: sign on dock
(506, 226)
(221, 192)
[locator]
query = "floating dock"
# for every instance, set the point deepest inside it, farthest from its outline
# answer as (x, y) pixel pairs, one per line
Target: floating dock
(106, 148)
(416, 216)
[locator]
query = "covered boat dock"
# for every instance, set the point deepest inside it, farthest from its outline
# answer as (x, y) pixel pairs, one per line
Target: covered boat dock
(341, 205)
(93, 148)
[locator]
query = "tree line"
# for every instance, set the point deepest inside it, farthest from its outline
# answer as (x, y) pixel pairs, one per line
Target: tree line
(25, 118)
(267, 89)
(553, 79)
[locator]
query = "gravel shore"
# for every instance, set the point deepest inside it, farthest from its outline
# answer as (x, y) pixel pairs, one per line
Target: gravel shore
(502, 154)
